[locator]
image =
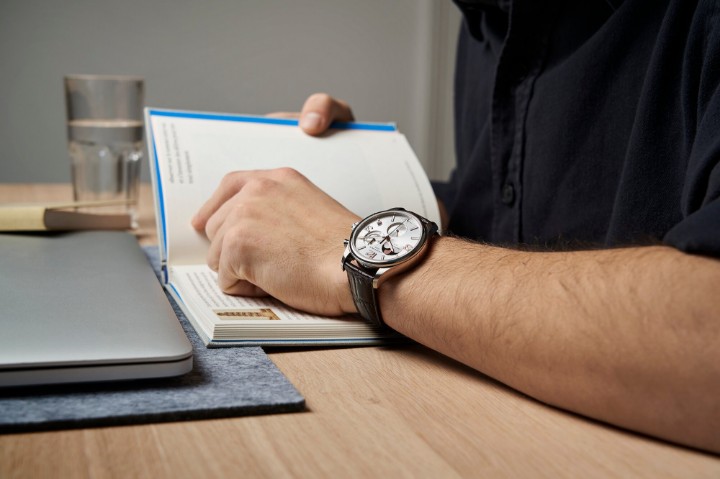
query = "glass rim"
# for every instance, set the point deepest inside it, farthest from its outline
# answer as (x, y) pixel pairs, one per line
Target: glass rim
(85, 77)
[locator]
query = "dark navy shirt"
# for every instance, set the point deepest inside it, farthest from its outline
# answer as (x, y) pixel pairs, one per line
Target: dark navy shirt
(591, 122)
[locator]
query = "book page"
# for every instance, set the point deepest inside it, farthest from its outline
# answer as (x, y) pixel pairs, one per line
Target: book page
(365, 170)
(197, 286)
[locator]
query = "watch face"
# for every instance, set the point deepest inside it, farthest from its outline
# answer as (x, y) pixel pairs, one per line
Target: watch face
(387, 237)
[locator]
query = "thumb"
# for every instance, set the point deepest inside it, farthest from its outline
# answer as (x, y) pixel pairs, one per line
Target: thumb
(320, 110)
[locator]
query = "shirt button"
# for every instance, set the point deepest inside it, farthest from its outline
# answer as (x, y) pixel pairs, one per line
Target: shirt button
(508, 194)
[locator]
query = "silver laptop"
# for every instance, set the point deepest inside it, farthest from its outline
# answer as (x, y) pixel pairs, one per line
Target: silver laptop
(85, 306)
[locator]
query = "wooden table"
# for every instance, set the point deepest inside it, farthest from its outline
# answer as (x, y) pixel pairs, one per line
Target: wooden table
(371, 412)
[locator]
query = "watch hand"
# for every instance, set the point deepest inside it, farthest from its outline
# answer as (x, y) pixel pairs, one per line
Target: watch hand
(387, 237)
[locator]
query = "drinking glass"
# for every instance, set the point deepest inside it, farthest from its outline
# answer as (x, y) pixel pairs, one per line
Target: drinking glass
(105, 139)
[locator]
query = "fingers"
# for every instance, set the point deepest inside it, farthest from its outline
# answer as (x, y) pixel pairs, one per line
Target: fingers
(213, 213)
(256, 219)
(320, 110)
(216, 245)
(243, 288)
(225, 261)
(230, 282)
(229, 186)
(224, 222)
(228, 219)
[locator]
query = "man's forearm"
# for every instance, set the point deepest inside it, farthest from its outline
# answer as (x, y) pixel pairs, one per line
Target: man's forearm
(629, 336)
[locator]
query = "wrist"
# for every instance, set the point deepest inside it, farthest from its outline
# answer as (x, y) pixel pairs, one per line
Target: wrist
(413, 294)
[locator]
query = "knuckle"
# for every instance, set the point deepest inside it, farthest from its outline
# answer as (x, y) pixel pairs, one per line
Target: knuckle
(238, 211)
(230, 180)
(226, 281)
(236, 240)
(212, 226)
(239, 247)
(320, 98)
(288, 173)
(233, 265)
(261, 186)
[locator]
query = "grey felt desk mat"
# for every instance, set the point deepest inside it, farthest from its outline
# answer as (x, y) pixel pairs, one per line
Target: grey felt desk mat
(224, 382)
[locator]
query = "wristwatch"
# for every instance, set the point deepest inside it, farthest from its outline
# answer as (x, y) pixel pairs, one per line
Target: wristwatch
(380, 246)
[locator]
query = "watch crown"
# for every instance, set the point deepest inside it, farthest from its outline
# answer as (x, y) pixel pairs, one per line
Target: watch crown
(346, 242)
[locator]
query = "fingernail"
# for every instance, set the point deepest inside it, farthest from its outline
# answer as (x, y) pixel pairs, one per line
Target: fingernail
(311, 121)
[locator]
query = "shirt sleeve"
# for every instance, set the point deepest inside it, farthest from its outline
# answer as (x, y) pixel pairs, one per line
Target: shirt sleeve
(699, 231)
(445, 192)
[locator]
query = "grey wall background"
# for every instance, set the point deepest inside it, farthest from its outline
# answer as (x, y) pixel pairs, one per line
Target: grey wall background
(391, 60)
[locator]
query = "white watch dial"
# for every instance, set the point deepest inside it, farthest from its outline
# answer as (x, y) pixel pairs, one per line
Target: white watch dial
(387, 237)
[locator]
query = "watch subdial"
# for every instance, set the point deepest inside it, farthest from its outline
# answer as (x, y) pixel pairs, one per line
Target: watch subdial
(397, 230)
(373, 238)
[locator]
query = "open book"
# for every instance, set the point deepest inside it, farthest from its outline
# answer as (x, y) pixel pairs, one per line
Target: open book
(367, 167)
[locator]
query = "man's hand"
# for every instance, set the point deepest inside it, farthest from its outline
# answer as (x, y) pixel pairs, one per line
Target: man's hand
(318, 112)
(275, 232)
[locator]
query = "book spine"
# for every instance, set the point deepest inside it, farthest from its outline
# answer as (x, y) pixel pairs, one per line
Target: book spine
(22, 218)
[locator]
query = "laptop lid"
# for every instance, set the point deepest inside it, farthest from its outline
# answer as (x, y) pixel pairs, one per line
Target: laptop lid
(84, 306)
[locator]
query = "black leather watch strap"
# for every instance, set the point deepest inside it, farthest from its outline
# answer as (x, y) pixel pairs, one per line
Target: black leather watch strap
(364, 295)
